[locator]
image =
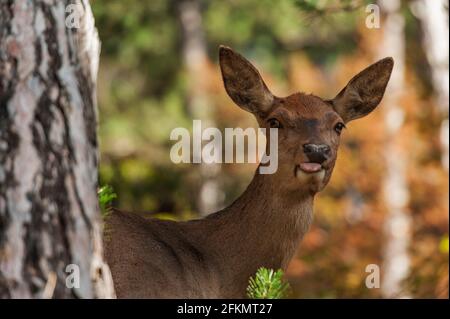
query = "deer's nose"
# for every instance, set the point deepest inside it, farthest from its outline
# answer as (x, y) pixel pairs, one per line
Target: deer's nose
(317, 153)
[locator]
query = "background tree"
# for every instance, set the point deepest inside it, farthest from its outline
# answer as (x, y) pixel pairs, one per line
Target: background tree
(49, 214)
(434, 20)
(195, 58)
(397, 222)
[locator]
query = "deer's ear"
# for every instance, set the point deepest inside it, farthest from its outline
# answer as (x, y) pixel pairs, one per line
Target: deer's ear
(364, 91)
(243, 82)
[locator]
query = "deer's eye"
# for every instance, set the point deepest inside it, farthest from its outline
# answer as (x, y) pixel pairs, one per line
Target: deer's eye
(339, 127)
(274, 123)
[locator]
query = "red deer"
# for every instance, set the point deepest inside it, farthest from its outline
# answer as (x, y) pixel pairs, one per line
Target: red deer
(214, 257)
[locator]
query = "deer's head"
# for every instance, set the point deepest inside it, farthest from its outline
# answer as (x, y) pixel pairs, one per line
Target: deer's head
(309, 127)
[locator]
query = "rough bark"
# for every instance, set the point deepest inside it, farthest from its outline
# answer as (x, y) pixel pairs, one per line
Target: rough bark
(397, 224)
(49, 215)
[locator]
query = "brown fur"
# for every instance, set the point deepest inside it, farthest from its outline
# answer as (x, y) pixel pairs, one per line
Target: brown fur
(215, 256)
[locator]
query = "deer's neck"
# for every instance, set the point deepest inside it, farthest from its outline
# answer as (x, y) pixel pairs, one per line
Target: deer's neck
(262, 228)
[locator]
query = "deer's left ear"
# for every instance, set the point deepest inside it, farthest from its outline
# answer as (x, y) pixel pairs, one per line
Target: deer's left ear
(364, 91)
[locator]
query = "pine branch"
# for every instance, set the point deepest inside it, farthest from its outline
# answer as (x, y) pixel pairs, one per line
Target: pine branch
(106, 195)
(267, 284)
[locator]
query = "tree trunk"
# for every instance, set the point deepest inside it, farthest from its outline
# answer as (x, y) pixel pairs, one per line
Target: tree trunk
(434, 19)
(49, 215)
(195, 59)
(397, 224)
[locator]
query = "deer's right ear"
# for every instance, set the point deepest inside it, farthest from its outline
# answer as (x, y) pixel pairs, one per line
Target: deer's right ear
(243, 82)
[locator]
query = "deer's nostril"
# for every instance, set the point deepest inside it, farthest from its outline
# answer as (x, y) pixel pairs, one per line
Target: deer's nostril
(325, 149)
(317, 153)
(309, 148)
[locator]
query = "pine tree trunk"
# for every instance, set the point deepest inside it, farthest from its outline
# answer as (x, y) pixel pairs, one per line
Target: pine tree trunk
(49, 215)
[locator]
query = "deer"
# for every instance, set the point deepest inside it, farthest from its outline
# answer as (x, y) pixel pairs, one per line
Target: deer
(214, 256)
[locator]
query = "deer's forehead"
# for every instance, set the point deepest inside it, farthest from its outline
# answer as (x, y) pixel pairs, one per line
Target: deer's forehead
(301, 106)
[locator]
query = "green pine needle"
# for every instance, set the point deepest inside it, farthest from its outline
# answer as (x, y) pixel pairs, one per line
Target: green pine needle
(105, 196)
(267, 284)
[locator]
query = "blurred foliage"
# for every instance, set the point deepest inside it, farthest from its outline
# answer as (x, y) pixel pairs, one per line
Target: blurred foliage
(105, 197)
(267, 284)
(443, 245)
(310, 46)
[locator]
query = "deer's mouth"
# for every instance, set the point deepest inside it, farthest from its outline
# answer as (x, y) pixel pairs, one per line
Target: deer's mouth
(310, 167)
(305, 171)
